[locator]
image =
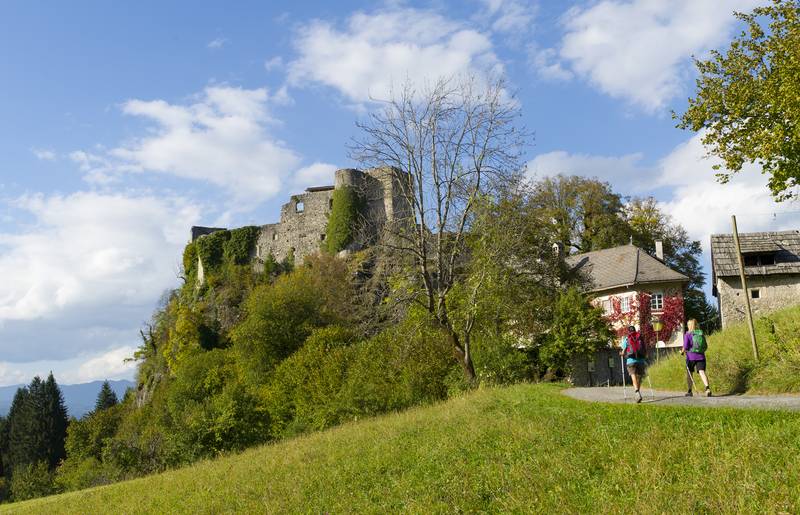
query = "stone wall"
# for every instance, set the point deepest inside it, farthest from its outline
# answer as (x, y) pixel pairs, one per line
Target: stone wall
(303, 223)
(774, 292)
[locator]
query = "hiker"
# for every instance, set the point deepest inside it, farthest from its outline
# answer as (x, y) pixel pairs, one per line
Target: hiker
(694, 346)
(633, 349)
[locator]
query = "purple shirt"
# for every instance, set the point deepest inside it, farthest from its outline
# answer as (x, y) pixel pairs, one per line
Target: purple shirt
(687, 344)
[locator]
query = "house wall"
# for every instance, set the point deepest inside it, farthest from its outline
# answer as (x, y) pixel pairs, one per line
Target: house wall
(775, 292)
(668, 289)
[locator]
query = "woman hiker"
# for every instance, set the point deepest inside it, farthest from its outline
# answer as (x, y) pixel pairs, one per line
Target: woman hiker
(694, 345)
(635, 353)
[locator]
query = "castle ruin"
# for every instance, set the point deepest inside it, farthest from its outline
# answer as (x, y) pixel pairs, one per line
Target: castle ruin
(304, 219)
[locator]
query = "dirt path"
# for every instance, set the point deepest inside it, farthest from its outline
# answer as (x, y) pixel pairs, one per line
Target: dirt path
(664, 398)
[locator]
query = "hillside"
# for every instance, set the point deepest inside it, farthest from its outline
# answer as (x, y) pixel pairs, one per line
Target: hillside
(731, 367)
(525, 448)
(79, 398)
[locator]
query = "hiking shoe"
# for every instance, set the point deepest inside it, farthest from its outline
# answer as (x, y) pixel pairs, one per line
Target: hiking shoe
(638, 397)
(708, 392)
(688, 394)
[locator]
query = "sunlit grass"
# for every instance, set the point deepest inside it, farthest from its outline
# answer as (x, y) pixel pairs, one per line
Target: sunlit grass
(522, 449)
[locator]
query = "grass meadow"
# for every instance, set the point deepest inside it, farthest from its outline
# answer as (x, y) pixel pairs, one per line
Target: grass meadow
(523, 449)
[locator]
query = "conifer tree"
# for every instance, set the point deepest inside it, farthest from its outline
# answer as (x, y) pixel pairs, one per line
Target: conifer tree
(106, 398)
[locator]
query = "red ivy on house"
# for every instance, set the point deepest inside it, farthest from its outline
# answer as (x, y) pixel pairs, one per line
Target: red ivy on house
(640, 314)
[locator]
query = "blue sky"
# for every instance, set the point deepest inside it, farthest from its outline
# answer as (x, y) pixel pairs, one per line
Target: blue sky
(123, 124)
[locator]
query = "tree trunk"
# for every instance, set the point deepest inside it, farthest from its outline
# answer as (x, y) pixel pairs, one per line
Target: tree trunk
(464, 358)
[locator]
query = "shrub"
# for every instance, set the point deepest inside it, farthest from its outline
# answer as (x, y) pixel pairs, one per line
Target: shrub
(499, 361)
(277, 319)
(32, 480)
(80, 473)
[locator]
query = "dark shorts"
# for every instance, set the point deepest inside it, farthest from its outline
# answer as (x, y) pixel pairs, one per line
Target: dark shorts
(636, 368)
(696, 365)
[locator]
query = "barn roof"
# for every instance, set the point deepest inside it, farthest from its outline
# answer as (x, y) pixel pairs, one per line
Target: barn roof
(784, 244)
(627, 265)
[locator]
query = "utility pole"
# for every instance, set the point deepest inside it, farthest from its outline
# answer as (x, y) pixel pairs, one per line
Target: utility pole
(744, 288)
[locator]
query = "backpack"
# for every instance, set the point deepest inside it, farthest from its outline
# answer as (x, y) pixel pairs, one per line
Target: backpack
(635, 349)
(699, 344)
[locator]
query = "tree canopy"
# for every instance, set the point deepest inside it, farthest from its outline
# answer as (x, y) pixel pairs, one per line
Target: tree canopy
(747, 103)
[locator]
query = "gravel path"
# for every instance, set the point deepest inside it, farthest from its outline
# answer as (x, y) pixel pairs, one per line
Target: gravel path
(664, 398)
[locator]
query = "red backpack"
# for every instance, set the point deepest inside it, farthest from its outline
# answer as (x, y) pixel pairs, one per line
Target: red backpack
(635, 348)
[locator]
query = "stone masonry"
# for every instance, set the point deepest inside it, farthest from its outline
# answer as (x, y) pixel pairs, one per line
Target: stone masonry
(304, 219)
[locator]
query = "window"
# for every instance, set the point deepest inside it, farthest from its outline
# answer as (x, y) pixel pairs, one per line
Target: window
(759, 259)
(657, 302)
(607, 307)
(321, 237)
(330, 205)
(625, 305)
(274, 236)
(755, 294)
(299, 207)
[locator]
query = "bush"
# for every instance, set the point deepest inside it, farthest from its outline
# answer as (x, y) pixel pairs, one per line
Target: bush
(80, 473)
(347, 205)
(32, 480)
(277, 320)
(499, 361)
(305, 391)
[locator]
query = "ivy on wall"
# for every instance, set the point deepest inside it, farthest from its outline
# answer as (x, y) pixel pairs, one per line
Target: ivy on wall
(347, 205)
(211, 249)
(640, 314)
(238, 248)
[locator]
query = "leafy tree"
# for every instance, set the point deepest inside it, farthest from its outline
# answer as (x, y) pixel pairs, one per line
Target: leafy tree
(578, 328)
(106, 398)
(451, 143)
(748, 98)
(583, 214)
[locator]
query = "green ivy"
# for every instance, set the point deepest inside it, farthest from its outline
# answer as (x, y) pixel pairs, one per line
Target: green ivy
(190, 259)
(241, 243)
(347, 205)
(211, 249)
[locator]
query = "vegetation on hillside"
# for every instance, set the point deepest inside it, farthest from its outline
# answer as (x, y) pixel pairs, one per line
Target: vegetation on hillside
(731, 366)
(524, 449)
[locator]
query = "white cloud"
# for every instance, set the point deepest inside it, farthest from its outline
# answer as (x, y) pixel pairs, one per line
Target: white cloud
(375, 51)
(109, 365)
(317, 174)
(624, 172)
(217, 43)
(44, 154)
(704, 207)
(510, 16)
(274, 63)
(221, 139)
(89, 251)
(640, 50)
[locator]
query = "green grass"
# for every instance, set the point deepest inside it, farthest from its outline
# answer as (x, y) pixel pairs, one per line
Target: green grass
(523, 449)
(731, 367)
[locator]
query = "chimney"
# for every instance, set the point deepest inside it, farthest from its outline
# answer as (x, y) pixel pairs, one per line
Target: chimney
(660, 250)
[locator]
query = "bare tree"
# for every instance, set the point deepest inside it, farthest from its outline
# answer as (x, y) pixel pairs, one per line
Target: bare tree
(452, 144)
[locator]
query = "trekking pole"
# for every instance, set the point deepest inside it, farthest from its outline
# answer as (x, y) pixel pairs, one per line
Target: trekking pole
(622, 369)
(652, 395)
(690, 376)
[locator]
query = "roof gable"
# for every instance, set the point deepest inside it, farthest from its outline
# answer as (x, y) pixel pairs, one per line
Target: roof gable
(627, 265)
(784, 244)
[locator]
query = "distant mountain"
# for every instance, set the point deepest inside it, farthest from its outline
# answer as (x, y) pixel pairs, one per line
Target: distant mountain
(79, 398)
